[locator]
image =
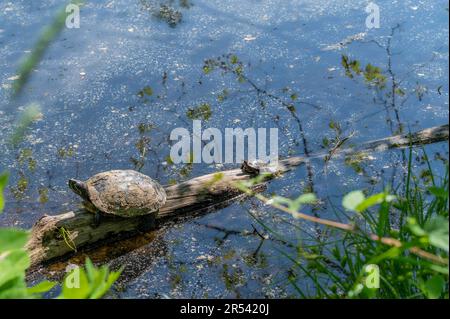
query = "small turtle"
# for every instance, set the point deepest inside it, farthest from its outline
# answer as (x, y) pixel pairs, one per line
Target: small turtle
(257, 167)
(124, 193)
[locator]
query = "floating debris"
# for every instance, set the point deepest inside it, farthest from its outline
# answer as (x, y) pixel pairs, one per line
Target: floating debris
(342, 44)
(249, 37)
(13, 78)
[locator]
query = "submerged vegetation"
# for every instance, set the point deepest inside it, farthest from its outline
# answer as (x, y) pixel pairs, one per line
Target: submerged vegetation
(166, 10)
(201, 112)
(372, 74)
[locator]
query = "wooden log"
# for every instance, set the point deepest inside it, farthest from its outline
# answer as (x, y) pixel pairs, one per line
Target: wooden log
(423, 137)
(55, 236)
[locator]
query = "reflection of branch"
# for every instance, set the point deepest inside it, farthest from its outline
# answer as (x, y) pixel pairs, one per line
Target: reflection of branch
(393, 79)
(226, 231)
(395, 84)
(257, 232)
(229, 232)
(276, 98)
(390, 102)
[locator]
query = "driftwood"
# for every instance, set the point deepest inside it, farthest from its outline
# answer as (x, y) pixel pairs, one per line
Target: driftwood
(55, 236)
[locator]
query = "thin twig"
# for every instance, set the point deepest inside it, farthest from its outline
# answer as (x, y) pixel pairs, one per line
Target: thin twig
(346, 227)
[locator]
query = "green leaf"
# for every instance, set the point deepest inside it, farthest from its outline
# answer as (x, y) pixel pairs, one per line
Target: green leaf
(352, 200)
(435, 230)
(433, 287)
(13, 265)
(438, 232)
(440, 269)
(41, 287)
(281, 200)
(415, 228)
(104, 282)
(295, 205)
(370, 201)
(11, 239)
(3, 182)
(90, 282)
(374, 200)
(438, 192)
(391, 253)
(75, 285)
(308, 198)
(14, 288)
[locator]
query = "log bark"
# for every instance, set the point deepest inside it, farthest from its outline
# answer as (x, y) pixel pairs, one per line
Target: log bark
(55, 236)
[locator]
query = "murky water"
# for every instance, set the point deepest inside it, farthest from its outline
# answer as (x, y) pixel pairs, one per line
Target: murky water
(112, 91)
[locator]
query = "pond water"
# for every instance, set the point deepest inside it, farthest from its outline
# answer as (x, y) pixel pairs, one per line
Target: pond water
(111, 92)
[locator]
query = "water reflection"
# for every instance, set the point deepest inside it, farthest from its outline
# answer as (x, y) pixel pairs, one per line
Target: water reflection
(112, 91)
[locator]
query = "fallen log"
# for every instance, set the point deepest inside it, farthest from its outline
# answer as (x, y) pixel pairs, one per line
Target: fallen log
(423, 137)
(55, 236)
(58, 235)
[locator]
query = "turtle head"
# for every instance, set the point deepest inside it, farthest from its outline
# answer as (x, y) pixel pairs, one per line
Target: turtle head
(79, 188)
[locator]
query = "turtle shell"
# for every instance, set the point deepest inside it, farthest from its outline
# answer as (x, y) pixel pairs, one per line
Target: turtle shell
(125, 193)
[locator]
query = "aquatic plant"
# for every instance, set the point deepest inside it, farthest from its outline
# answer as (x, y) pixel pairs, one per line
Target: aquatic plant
(403, 236)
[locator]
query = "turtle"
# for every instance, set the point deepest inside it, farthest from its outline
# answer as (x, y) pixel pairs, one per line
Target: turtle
(122, 193)
(257, 167)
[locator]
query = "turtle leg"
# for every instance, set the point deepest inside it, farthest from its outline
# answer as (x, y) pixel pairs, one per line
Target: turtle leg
(97, 219)
(92, 209)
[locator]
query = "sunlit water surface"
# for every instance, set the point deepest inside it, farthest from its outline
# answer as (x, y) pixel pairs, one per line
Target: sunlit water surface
(94, 118)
